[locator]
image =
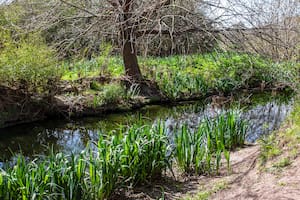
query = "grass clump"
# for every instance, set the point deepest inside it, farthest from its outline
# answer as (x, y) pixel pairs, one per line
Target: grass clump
(269, 148)
(206, 194)
(201, 151)
(144, 153)
(106, 94)
(112, 93)
(133, 156)
(284, 162)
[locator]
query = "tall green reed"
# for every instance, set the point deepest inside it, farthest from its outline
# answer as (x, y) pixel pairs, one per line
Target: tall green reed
(201, 151)
(135, 155)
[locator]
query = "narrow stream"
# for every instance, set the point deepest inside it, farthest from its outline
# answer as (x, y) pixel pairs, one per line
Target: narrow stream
(263, 112)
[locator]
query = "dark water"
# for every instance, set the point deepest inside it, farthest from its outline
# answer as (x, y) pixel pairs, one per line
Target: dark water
(263, 112)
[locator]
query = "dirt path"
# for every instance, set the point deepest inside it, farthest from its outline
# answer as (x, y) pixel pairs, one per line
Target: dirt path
(249, 182)
(246, 181)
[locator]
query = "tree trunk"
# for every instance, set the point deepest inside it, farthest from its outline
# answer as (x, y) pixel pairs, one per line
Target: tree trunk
(146, 88)
(132, 68)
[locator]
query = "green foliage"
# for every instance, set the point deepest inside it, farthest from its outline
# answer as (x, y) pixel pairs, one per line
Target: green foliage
(143, 153)
(124, 157)
(289, 137)
(207, 193)
(108, 94)
(183, 77)
(111, 93)
(135, 155)
(94, 85)
(269, 148)
(201, 151)
(284, 162)
(28, 62)
(10, 16)
(102, 64)
(25, 59)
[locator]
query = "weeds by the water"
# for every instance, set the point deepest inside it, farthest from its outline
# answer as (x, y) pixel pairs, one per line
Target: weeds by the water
(195, 75)
(133, 156)
(136, 154)
(201, 151)
(286, 140)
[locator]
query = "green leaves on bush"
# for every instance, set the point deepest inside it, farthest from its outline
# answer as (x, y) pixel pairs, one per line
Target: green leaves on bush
(27, 62)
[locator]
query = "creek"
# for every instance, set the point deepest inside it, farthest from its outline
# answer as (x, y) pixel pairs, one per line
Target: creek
(264, 113)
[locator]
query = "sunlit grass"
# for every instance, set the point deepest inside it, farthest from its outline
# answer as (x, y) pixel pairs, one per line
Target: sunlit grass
(285, 140)
(185, 76)
(135, 155)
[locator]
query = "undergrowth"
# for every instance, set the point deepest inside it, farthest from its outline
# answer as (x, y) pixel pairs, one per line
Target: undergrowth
(123, 158)
(201, 151)
(285, 140)
(185, 76)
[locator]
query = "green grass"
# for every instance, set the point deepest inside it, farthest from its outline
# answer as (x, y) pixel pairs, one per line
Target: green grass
(181, 76)
(284, 140)
(284, 162)
(135, 155)
(206, 194)
(195, 75)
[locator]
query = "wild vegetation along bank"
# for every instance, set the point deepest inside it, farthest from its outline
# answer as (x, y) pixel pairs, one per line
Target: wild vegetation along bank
(124, 158)
(79, 88)
(274, 173)
(54, 62)
(195, 157)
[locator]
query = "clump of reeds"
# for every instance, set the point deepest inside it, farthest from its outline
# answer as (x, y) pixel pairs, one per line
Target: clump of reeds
(133, 156)
(201, 151)
(136, 154)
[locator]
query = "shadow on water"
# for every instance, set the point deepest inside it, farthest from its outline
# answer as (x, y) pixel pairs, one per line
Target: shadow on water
(264, 113)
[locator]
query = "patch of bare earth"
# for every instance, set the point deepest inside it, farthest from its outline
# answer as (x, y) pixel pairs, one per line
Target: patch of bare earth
(246, 180)
(250, 182)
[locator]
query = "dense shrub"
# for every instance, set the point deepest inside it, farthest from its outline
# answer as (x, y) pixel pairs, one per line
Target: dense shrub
(25, 60)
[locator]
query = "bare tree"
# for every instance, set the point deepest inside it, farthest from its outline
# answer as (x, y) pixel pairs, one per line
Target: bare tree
(267, 27)
(253, 25)
(127, 20)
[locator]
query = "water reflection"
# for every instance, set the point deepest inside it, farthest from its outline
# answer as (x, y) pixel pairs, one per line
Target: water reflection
(263, 115)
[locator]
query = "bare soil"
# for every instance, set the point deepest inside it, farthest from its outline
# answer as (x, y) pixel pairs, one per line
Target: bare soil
(265, 184)
(246, 180)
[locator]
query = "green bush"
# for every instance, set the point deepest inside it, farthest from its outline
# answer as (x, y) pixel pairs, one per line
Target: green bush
(27, 62)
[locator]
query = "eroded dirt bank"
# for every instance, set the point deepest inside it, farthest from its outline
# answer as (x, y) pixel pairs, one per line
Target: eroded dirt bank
(17, 107)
